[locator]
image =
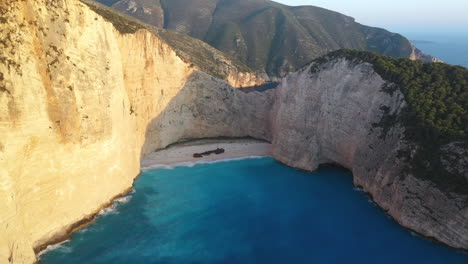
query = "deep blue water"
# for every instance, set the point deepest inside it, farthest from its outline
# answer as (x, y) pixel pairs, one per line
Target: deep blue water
(248, 211)
(446, 42)
(451, 48)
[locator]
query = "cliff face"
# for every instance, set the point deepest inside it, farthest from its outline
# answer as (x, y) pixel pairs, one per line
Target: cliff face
(191, 50)
(417, 54)
(78, 102)
(332, 115)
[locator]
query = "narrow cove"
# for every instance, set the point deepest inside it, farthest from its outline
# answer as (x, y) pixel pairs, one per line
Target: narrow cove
(246, 211)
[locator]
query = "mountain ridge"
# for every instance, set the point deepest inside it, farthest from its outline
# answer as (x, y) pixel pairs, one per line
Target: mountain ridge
(271, 38)
(197, 52)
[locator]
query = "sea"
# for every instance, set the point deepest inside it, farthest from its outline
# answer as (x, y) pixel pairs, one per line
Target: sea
(448, 48)
(253, 210)
(448, 43)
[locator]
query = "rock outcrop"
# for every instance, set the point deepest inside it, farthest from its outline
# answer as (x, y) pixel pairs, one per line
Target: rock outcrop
(331, 115)
(79, 104)
(417, 54)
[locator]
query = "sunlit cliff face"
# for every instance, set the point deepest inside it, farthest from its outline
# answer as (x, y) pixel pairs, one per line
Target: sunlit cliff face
(76, 100)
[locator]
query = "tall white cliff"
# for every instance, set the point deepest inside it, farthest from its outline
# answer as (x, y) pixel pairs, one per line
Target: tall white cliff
(78, 102)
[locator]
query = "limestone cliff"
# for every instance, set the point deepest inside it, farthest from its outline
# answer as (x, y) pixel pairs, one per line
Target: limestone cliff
(77, 98)
(191, 50)
(330, 114)
(417, 54)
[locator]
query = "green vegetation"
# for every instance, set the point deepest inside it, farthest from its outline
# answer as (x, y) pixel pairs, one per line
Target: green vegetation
(437, 93)
(269, 37)
(437, 111)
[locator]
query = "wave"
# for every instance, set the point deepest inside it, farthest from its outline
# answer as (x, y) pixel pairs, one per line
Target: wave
(106, 211)
(193, 163)
(109, 210)
(113, 208)
(123, 200)
(58, 246)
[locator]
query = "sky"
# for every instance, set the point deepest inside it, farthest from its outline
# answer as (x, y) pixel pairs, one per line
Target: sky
(421, 14)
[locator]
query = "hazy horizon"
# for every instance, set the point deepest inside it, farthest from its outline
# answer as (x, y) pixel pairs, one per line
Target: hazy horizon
(416, 15)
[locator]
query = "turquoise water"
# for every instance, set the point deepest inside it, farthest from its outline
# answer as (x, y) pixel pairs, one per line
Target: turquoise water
(247, 211)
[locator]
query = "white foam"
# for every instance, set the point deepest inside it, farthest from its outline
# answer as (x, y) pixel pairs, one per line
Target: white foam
(124, 199)
(82, 230)
(109, 210)
(106, 211)
(60, 246)
(193, 163)
(113, 208)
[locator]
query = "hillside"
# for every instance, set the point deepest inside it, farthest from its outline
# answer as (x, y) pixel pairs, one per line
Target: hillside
(190, 49)
(269, 37)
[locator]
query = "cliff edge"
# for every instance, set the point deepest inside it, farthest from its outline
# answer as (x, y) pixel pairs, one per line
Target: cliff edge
(339, 110)
(80, 101)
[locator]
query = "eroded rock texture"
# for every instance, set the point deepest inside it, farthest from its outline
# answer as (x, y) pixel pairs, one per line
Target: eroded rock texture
(77, 101)
(333, 114)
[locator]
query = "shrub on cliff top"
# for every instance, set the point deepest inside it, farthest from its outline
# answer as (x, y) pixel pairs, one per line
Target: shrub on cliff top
(437, 111)
(437, 93)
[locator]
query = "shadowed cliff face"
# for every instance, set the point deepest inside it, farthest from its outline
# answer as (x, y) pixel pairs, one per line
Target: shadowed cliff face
(332, 116)
(207, 107)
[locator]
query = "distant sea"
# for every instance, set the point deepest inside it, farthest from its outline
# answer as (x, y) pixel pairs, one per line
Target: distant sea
(447, 43)
(451, 49)
(254, 211)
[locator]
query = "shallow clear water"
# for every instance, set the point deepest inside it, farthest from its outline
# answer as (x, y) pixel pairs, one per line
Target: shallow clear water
(247, 211)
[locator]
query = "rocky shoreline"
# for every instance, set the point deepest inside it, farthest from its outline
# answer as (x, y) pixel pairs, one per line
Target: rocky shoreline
(343, 103)
(236, 148)
(65, 234)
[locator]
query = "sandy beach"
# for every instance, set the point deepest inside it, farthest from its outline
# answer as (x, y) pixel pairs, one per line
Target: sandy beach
(183, 152)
